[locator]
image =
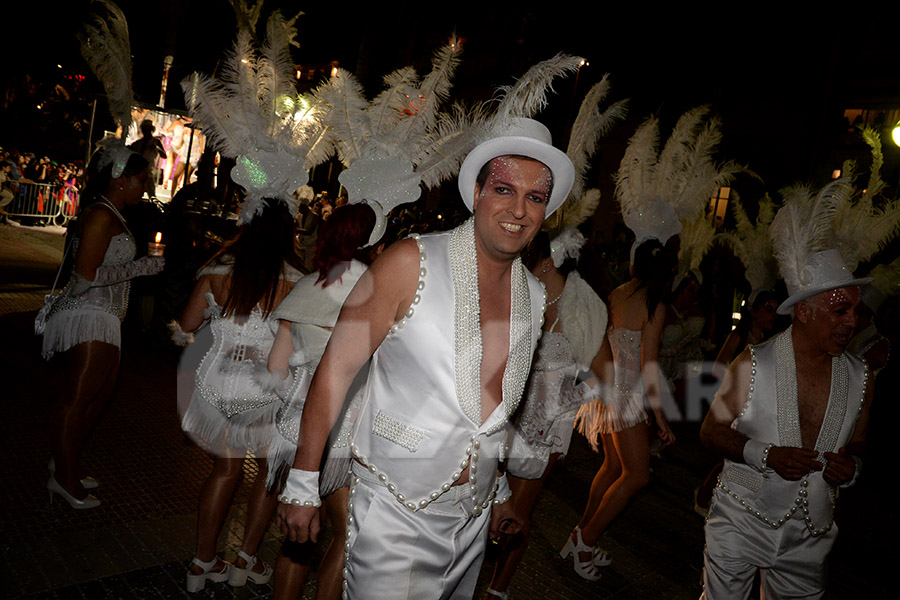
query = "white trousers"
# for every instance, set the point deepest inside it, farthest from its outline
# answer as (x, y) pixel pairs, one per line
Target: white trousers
(395, 554)
(738, 544)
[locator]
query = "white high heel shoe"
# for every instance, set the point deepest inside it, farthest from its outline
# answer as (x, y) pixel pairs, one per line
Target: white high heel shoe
(89, 483)
(196, 582)
(239, 576)
(585, 569)
(53, 487)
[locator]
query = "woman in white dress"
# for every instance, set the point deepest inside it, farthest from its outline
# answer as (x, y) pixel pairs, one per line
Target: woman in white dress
(229, 411)
(84, 323)
(573, 341)
(637, 316)
(306, 318)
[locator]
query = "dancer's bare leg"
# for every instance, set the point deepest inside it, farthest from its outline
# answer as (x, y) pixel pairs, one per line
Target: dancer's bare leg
(291, 569)
(525, 493)
(609, 471)
(89, 376)
(633, 449)
(260, 506)
(215, 498)
(330, 576)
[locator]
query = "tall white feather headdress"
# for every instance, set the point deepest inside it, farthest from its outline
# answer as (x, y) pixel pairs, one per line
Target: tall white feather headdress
(106, 47)
(657, 190)
(400, 139)
(249, 113)
(752, 244)
(805, 245)
(589, 126)
(866, 223)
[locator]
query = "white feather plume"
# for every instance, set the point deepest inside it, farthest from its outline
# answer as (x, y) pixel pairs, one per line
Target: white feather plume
(805, 225)
(106, 47)
(528, 95)
(752, 244)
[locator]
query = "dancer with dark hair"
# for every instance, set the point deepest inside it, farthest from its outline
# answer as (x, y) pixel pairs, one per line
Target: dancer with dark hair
(306, 318)
(84, 322)
(229, 413)
(637, 316)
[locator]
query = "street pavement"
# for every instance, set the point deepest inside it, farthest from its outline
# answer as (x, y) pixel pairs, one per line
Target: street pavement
(137, 544)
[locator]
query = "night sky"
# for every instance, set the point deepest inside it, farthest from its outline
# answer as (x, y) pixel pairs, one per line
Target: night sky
(779, 81)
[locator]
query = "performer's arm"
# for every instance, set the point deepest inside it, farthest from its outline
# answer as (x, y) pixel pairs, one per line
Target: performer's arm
(193, 316)
(717, 434)
(650, 339)
(380, 298)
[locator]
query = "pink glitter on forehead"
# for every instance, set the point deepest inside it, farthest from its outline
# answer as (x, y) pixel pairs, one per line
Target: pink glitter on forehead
(831, 299)
(509, 169)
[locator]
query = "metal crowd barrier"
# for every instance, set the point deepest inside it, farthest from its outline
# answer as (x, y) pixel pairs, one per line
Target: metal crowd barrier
(52, 203)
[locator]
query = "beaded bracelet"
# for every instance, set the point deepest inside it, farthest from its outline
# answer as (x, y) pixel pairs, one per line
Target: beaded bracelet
(503, 493)
(301, 489)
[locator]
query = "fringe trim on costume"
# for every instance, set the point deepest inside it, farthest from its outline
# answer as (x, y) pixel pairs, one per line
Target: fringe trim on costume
(596, 418)
(70, 327)
(179, 336)
(250, 429)
(335, 470)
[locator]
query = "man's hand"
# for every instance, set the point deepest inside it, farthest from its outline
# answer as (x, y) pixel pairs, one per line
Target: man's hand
(505, 519)
(299, 523)
(793, 463)
(840, 467)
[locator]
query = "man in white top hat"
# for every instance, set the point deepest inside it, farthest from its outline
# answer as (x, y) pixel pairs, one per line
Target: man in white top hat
(790, 420)
(451, 321)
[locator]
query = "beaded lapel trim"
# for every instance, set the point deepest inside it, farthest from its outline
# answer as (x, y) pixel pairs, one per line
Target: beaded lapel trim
(788, 407)
(467, 327)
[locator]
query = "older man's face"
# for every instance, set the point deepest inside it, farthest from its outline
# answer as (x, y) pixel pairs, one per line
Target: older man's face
(831, 318)
(510, 208)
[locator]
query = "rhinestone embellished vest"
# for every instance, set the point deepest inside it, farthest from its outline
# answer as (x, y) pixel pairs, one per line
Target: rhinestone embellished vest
(420, 424)
(771, 415)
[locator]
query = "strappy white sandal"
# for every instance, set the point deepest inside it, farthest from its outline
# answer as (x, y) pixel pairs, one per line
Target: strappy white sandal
(239, 577)
(587, 569)
(196, 582)
(501, 595)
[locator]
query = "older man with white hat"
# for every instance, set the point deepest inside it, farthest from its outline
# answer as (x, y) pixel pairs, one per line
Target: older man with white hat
(450, 321)
(790, 420)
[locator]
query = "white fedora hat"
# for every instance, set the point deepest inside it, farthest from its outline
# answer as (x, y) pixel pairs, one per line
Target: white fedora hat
(524, 137)
(823, 271)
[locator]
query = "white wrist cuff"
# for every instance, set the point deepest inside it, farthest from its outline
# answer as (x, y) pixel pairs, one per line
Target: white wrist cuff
(503, 492)
(179, 336)
(756, 454)
(858, 461)
(301, 489)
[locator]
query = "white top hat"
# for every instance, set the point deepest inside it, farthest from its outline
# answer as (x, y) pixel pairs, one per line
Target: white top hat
(524, 137)
(823, 271)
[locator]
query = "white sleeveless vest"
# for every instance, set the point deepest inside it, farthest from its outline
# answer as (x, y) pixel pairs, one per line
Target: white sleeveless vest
(771, 415)
(420, 423)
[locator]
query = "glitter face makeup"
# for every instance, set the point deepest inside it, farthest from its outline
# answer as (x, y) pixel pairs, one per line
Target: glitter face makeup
(507, 169)
(510, 206)
(833, 318)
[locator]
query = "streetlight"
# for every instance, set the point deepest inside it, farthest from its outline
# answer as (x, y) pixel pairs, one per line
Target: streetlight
(896, 133)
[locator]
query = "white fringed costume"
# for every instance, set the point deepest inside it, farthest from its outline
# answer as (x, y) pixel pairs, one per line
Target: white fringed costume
(545, 419)
(229, 409)
(97, 314)
(312, 311)
(412, 533)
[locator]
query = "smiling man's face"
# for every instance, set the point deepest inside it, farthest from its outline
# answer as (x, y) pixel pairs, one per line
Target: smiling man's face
(510, 206)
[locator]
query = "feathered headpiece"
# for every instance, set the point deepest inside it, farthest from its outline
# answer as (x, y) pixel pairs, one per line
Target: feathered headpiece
(863, 228)
(399, 140)
(590, 124)
(885, 283)
(804, 242)
(106, 47)
(658, 190)
(696, 240)
(752, 245)
(250, 113)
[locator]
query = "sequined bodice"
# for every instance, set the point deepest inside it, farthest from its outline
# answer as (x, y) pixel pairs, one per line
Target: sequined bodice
(553, 352)
(239, 349)
(112, 298)
(550, 389)
(626, 349)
